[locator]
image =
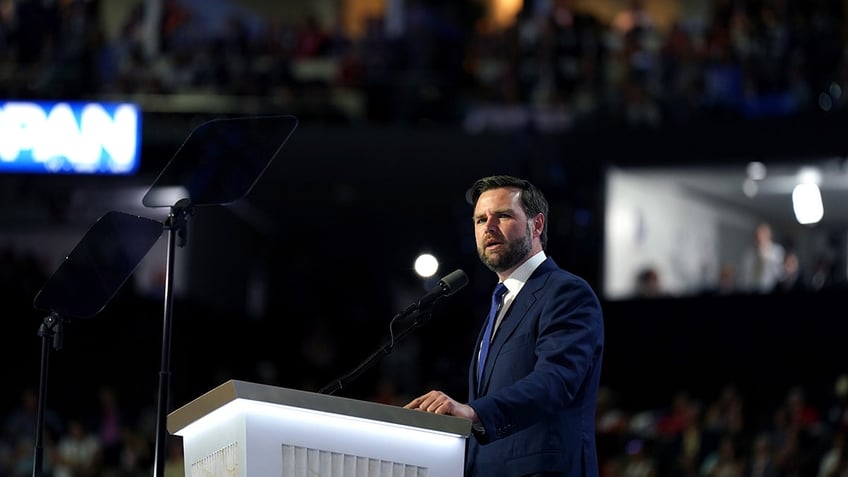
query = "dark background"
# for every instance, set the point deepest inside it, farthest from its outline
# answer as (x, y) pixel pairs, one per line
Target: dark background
(346, 216)
(297, 283)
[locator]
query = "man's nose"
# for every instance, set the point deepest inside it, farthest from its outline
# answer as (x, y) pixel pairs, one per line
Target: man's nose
(491, 222)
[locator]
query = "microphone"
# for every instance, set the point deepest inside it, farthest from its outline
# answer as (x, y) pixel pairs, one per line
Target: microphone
(448, 285)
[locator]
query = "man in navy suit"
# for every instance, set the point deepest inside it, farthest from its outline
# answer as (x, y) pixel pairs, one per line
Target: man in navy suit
(533, 407)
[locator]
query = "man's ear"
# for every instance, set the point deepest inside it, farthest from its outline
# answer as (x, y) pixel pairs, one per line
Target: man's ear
(538, 224)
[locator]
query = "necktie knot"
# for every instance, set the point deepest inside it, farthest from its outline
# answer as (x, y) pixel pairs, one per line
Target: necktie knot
(497, 301)
(498, 294)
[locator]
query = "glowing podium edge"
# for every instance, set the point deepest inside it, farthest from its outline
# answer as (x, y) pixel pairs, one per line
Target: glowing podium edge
(269, 430)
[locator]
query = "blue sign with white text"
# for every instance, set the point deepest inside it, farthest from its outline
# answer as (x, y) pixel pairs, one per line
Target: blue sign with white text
(69, 137)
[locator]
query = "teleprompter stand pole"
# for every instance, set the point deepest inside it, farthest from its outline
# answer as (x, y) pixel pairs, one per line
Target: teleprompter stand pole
(50, 331)
(83, 285)
(176, 225)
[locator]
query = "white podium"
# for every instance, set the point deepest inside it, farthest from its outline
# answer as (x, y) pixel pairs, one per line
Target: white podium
(242, 429)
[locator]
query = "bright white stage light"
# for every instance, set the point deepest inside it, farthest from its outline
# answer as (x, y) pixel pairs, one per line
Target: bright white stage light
(426, 265)
(807, 203)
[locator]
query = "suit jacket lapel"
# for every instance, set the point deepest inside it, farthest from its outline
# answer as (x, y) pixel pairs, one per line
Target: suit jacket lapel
(514, 316)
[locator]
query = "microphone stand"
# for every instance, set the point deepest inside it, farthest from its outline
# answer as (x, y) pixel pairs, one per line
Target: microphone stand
(422, 317)
(50, 329)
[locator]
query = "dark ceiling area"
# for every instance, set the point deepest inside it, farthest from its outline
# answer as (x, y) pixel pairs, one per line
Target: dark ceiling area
(388, 192)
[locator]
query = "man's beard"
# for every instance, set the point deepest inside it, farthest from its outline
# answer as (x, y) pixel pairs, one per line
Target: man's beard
(513, 254)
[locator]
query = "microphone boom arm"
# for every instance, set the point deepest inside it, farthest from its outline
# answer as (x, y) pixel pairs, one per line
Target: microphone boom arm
(386, 349)
(448, 285)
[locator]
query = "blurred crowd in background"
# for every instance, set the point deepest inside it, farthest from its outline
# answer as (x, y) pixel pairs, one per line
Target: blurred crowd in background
(716, 435)
(748, 59)
(769, 265)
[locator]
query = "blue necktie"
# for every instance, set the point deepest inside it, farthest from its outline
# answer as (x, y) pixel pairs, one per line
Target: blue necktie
(497, 301)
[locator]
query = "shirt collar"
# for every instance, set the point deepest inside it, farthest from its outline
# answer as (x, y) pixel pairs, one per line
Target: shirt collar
(519, 277)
